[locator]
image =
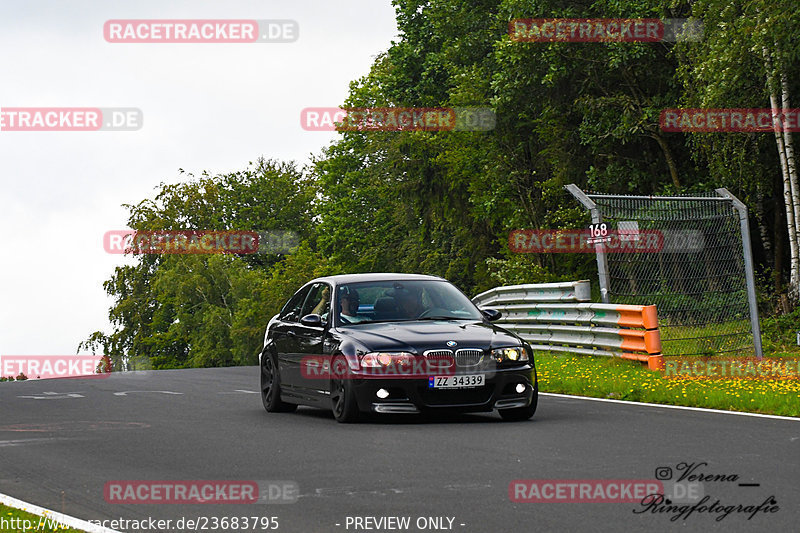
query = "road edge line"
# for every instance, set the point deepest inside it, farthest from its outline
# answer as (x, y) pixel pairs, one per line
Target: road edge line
(666, 406)
(61, 518)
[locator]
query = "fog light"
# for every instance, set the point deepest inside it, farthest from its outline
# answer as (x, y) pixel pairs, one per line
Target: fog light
(520, 388)
(382, 393)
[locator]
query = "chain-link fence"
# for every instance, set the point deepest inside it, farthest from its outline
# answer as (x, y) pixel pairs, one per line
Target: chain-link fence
(700, 278)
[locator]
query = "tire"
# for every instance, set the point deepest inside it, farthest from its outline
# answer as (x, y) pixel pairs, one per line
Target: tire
(271, 387)
(343, 400)
(518, 414)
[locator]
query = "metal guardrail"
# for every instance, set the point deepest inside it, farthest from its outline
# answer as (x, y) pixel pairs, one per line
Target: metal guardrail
(544, 315)
(570, 291)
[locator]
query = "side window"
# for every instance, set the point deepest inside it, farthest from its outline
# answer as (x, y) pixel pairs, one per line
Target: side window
(291, 311)
(318, 301)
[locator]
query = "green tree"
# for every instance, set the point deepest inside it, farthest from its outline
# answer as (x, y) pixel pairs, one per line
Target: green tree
(206, 310)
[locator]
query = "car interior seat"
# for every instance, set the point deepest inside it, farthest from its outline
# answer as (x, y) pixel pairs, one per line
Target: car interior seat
(386, 308)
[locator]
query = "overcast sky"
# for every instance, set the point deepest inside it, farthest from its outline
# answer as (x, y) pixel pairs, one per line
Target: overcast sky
(211, 107)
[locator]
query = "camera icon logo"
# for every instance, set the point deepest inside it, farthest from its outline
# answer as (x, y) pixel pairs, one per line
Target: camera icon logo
(663, 473)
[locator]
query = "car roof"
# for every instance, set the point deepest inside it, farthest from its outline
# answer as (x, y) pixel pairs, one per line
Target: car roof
(375, 276)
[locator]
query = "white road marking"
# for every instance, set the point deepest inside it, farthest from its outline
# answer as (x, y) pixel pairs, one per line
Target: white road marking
(125, 393)
(352, 491)
(61, 518)
(54, 396)
(682, 407)
(20, 442)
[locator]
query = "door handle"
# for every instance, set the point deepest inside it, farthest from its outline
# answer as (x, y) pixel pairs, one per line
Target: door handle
(291, 333)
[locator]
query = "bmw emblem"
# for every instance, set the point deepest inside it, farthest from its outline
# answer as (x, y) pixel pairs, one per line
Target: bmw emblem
(452, 343)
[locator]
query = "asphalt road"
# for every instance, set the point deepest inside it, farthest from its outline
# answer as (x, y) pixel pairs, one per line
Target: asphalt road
(61, 441)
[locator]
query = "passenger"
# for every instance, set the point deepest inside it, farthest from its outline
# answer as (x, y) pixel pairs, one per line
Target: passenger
(322, 307)
(408, 303)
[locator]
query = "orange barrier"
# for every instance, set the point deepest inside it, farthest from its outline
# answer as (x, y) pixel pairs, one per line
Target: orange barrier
(637, 340)
(638, 316)
(550, 323)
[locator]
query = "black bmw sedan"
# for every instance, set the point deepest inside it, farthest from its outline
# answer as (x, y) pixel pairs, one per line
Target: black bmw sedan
(393, 343)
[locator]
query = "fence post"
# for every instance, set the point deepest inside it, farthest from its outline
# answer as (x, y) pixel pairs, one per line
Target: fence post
(602, 263)
(748, 268)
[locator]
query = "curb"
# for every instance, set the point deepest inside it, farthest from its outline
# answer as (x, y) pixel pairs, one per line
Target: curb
(61, 518)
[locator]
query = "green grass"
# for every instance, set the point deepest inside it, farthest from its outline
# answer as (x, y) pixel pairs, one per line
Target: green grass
(606, 377)
(9, 513)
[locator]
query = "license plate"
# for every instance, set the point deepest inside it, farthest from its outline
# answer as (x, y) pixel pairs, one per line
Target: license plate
(456, 382)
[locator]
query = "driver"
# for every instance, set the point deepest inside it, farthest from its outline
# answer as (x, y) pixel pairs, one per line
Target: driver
(349, 305)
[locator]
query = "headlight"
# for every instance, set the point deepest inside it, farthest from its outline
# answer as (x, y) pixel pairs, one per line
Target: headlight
(382, 359)
(515, 354)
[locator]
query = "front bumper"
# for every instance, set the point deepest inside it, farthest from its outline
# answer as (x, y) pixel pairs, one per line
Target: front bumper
(412, 395)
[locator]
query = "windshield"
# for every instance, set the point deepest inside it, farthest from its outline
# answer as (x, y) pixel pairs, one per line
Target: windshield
(402, 301)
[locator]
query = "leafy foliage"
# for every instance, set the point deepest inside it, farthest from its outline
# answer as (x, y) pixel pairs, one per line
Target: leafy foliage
(444, 202)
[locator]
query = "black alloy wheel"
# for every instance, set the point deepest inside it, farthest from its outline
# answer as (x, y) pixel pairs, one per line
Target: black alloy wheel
(343, 401)
(271, 387)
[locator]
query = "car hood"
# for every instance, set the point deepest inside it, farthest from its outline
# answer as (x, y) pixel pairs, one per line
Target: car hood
(418, 336)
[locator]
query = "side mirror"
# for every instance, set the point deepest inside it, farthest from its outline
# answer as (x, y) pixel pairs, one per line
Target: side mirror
(491, 314)
(312, 321)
